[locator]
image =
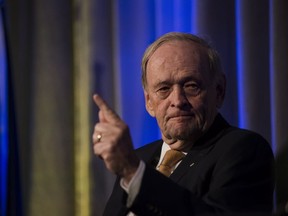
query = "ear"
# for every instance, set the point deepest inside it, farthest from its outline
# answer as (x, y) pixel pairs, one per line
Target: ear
(220, 90)
(148, 104)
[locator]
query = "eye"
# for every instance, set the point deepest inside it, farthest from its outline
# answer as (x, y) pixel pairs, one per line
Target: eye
(192, 89)
(163, 91)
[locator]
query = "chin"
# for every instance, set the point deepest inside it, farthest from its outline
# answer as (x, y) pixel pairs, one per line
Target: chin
(186, 134)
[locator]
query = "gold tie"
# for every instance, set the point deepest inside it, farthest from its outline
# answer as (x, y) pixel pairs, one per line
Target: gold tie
(171, 158)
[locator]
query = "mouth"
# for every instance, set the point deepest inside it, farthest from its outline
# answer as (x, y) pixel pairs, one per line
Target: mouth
(180, 117)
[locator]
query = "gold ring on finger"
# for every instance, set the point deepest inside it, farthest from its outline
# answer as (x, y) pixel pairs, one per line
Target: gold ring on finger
(99, 137)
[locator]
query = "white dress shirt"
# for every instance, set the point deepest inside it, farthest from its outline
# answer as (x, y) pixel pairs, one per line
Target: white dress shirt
(132, 189)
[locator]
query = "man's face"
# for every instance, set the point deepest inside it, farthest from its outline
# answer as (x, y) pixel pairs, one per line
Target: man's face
(180, 92)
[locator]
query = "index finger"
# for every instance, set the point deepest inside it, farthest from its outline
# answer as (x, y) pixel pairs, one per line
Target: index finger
(108, 114)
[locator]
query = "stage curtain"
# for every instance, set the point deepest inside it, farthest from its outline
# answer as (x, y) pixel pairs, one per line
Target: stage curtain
(61, 52)
(4, 137)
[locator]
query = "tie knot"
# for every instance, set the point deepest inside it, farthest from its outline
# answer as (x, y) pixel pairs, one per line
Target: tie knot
(170, 159)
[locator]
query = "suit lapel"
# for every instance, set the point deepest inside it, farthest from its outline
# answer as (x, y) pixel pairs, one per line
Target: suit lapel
(190, 161)
(201, 148)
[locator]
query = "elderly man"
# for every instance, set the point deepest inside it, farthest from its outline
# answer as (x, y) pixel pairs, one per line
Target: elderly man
(202, 165)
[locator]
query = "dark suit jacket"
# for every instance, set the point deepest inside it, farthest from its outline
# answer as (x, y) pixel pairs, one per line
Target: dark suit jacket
(229, 170)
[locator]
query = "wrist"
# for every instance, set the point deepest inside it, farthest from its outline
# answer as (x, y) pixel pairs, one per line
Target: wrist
(130, 171)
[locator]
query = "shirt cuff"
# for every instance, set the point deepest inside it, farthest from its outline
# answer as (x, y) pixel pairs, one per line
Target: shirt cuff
(132, 189)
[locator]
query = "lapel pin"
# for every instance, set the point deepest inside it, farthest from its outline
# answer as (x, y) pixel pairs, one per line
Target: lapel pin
(192, 164)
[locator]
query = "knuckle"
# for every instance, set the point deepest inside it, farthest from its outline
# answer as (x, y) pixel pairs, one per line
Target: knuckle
(96, 126)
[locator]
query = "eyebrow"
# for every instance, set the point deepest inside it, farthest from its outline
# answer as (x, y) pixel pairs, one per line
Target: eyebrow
(181, 81)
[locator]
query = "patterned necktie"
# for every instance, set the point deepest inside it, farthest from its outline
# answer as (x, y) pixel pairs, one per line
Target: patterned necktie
(171, 158)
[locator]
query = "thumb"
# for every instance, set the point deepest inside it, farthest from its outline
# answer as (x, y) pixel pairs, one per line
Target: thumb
(106, 114)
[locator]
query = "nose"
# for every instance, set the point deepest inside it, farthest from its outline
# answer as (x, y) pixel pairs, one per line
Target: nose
(178, 97)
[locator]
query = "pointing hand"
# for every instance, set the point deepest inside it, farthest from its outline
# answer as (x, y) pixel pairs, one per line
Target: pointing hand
(112, 142)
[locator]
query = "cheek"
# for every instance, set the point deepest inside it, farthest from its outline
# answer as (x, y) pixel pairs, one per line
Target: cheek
(198, 103)
(160, 113)
(205, 106)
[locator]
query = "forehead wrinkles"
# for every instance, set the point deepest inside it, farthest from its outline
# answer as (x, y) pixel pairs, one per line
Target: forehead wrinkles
(176, 55)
